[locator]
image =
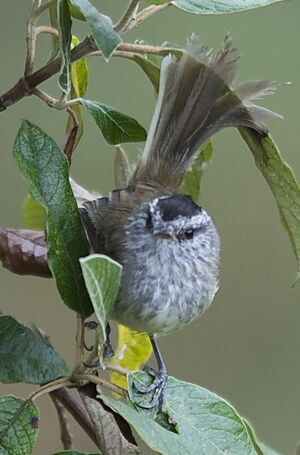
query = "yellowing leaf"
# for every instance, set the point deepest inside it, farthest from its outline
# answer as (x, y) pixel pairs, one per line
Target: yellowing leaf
(33, 215)
(79, 83)
(133, 350)
(79, 73)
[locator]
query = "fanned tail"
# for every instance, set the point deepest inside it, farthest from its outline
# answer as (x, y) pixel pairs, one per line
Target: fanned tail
(195, 101)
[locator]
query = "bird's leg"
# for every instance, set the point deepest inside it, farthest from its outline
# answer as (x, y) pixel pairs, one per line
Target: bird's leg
(107, 348)
(108, 351)
(160, 379)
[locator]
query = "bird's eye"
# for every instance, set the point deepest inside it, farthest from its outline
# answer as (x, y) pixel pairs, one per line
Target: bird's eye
(186, 235)
(189, 234)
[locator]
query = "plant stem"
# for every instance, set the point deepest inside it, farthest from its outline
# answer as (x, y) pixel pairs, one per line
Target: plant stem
(32, 33)
(143, 49)
(117, 369)
(27, 84)
(79, 341)
(102, 382)
(30, 54)
(129, 15)
(38, 11)
(46, 29)
(45, 97)
(50, 387)
(146, 13)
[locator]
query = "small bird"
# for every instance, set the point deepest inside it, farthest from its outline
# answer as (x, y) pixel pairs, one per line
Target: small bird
(168, 245)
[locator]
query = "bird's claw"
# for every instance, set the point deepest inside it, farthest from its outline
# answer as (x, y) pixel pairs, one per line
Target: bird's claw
(158, 386)
(108, 351)
(93, 366)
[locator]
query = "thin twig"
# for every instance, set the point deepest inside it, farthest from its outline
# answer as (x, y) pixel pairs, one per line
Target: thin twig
(115, 54)
(102, 382)
(117, 368)
(79, 341)
(65, 430)
(142, 49)
(50, 387)
(30, 53)
(129, 15)
(46, 29)
(38, 11)
(32, 34)
(77, 411)
(52, 102)
(146, 13)
(26, 85)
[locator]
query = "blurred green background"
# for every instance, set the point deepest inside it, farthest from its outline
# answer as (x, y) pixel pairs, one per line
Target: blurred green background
(247, 346)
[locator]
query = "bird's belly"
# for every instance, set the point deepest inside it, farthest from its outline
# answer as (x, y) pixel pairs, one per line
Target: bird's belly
(159, 304)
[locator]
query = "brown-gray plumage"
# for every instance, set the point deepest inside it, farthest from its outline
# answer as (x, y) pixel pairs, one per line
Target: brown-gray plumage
(195, 101)
(169, 247)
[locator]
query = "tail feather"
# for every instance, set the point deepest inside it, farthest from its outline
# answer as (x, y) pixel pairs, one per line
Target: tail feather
(194, 102)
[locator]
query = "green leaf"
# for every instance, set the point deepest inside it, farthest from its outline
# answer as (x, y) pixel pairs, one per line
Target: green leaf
(220, 6)
(25, 356)
(205, 423)
(45, 169)
(33, 215)
(150, 69)
(79, 84)
(192, 181)
(282, 182)
(257, 446)
(65, 25)
(79, 74)
(261, 449)
(18, 426)
(115, 126)
(121, 168)
(75, 12)
(101, 27)
(150, 64)
(102, 278)
(133, 350)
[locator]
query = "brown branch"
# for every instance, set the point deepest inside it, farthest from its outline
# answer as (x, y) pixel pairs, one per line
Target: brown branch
(26, 85)
(77, 410)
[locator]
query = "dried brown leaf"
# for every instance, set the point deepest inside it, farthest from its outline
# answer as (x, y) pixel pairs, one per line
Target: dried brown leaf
(24, 252)
(113, 434)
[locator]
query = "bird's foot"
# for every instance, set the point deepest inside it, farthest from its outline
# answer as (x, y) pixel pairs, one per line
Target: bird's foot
(108, 351)
(157, 387)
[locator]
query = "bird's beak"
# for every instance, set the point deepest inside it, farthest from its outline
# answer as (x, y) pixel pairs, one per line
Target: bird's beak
(165, 235)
